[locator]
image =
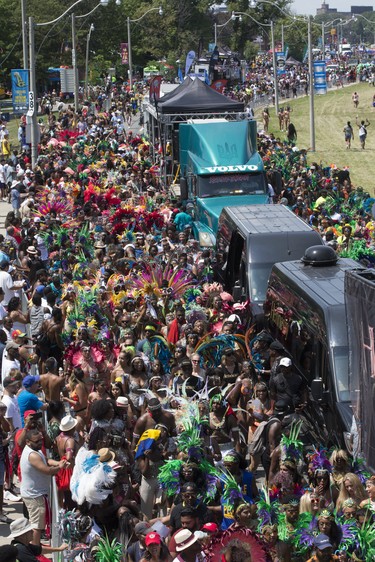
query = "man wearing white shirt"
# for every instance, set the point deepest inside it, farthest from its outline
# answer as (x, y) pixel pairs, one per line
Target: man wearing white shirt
(7, 327)
(3, 131)
(6, 283)
(10, 359)
(3, 312)
(13, 414)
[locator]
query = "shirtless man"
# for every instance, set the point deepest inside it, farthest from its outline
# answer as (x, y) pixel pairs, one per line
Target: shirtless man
(67, 446)
(26, 352)
(155, 415)
(66, 443)
(51, 383)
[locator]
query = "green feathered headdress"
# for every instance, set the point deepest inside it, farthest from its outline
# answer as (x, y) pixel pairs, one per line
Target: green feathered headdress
(232, 492)
(366, 541)
(291, 447)
(267, 511)
(189, 441)
(169, 477)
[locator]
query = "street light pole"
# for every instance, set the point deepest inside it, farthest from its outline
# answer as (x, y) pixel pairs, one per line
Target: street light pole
(24, 34)
(32, 113)
(274, 69)
(74, 64)
(282, 38)
(87, 61)
(323, 42)
(311, 84)
(130, 56)
(129, 21)
(215, 27)
(33, 102)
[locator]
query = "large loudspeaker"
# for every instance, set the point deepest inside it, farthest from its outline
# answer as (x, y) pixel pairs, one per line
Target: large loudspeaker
(175, 144)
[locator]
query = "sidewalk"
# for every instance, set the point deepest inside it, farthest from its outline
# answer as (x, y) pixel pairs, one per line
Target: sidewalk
(4, 210)
(12, 510)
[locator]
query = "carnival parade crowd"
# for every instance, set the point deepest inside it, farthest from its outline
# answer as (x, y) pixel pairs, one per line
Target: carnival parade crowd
(175, 429)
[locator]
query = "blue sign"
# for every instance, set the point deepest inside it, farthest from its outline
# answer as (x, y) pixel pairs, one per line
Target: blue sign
(20, 90)
(320, 77)
(280, 62)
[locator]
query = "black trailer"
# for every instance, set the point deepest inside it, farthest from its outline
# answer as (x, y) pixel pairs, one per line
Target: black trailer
(305, 311)
(360, 313)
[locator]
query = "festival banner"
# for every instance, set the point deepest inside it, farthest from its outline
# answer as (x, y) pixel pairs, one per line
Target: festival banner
(20, 90)
(189, 61)
(219, 85)
(320, 77)
(155, 84)
(124, 48)
(280, 62)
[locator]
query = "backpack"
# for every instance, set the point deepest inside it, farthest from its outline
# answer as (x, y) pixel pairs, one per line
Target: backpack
(258, 443)
(42, 342)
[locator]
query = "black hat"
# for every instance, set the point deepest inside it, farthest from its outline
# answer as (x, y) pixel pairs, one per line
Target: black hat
(275, 345)
(154, 404)
(263, 336)
(185, 363)
(281, 408)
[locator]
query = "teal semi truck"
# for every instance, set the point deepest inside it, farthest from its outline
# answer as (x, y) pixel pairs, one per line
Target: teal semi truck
(220, 167)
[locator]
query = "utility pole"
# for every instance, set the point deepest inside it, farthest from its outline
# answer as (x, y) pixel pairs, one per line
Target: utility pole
(33, 104)
(130, 56)
(24, 35)
(311, 84)
(274, 69)
(74, 64)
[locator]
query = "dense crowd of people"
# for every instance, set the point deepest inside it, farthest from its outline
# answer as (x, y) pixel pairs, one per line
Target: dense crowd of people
(175, 430)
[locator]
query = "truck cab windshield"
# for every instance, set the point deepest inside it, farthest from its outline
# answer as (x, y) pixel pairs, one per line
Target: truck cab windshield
(231, 184)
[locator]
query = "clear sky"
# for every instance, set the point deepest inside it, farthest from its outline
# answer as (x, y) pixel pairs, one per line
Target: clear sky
(310, 6)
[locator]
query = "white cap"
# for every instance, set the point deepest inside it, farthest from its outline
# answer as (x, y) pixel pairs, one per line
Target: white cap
(285, 362)
(234, 318)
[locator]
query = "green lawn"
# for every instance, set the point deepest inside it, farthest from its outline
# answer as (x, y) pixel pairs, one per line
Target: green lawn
(332, 111)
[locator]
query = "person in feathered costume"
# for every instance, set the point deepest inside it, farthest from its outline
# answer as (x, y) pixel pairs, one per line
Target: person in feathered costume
(192, 465)
(92, 480)
(288, 457)
(319, 471)
(268, 512)
(237, 541)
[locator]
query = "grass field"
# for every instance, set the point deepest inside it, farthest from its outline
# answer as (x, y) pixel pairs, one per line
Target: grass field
(332, 111)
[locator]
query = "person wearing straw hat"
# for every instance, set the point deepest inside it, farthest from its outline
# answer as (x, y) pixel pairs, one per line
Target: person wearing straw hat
(187, 546)
(67, 447)
(21, 533)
